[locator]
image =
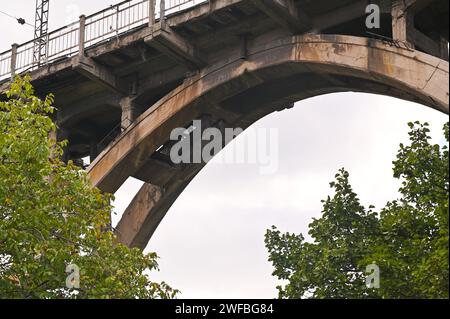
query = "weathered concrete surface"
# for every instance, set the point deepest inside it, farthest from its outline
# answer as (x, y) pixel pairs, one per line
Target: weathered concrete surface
(343, 63)
(233, 61)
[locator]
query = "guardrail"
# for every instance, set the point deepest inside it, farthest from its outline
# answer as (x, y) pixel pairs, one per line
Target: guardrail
(96, 28)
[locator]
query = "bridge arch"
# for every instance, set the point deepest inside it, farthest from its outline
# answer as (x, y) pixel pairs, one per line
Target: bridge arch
(238, 92)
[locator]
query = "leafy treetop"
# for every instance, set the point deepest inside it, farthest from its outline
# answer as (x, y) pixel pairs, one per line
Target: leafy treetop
(51, 216)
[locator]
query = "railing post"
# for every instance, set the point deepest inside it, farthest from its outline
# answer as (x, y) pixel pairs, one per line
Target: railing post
(47, 46)
(13, 60)
(162, 13)
(402, 23)
(82, 37)
(117, 20)
(151, 12)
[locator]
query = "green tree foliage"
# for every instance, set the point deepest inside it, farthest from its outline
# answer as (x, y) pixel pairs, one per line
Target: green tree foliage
(407, 240)
(51, 216)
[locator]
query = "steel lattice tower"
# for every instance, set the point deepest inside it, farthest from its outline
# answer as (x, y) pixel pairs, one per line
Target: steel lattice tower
(41, 32)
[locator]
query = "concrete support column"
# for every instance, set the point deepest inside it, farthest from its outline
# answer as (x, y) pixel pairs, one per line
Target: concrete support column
(13, 60)
(402, 22)
(129, 111)
(162, 13)
(151, 12)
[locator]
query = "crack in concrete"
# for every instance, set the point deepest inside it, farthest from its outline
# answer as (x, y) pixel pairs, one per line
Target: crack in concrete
(432, 75)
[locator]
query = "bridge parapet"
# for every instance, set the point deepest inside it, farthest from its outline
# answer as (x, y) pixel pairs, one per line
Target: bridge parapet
(96, 28)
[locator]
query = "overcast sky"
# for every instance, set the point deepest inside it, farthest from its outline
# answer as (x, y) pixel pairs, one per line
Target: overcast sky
(211, 242)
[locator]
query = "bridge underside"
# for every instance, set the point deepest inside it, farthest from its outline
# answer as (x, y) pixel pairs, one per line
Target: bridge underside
(116, 81)
(241, 91)
(229, 63)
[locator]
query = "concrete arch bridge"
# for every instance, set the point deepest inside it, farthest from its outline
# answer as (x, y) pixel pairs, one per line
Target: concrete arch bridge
(229, 63)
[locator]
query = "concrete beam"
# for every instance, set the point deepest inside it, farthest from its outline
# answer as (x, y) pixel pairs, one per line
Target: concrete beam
(91, 69)
(415, 6)
(286, 14)
(168, 42)
(76, 109)
(403, 28)
(341, 15)
(158, 79)
(156, 172)
(97, 73)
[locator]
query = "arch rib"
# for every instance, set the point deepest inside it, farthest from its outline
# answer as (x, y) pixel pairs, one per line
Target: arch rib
(353, 64)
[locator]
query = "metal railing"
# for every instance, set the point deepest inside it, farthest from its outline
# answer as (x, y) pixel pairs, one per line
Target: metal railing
(173, 6)
(99, 27)
(115, 20)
